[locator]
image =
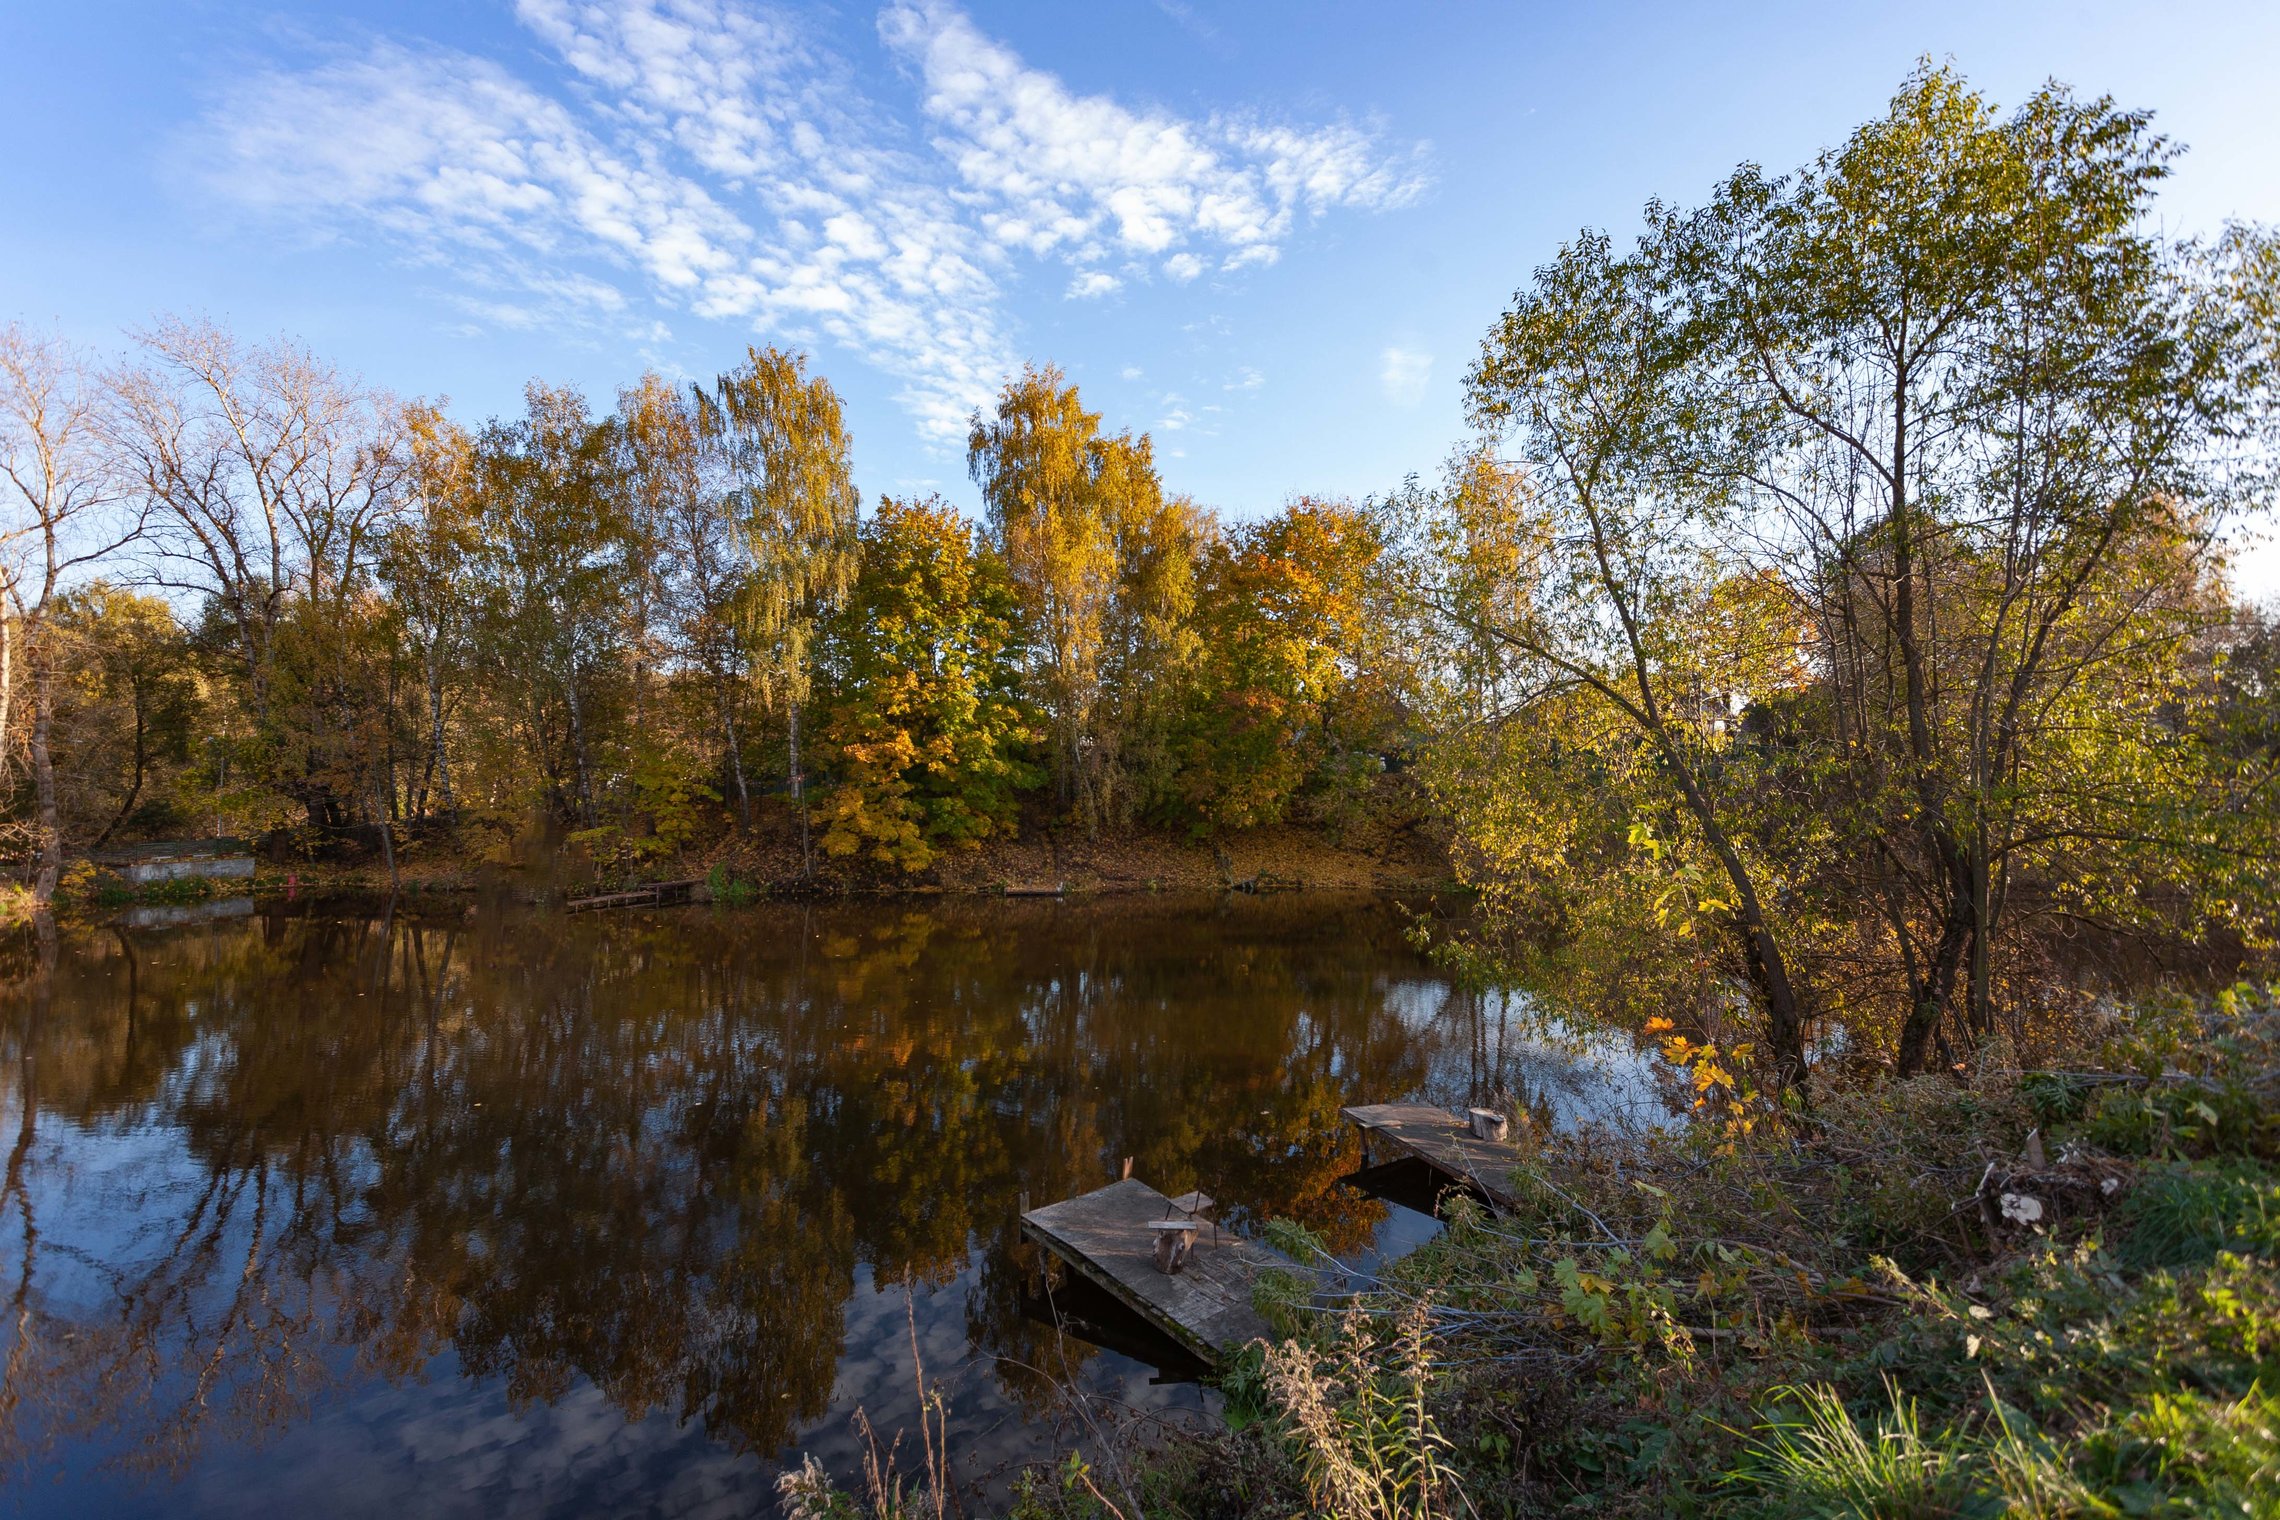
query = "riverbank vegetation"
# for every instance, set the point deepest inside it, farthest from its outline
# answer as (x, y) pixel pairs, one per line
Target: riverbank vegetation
(1824, 669)
(1821, 664)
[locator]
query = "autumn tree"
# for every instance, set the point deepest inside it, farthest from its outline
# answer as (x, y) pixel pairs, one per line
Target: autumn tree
(268, 473)
(1987, 421)
(548, 556)
(132, 701)
(1104, 564)
(928, 735)
(698, 553)
(781, 437)
(56, 483)
(1597, 567)
(1286, 692)
(425, 566)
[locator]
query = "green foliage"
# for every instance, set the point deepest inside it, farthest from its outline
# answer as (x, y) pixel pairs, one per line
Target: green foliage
(2187, 1454)
(671, 792)
(1064, 1491)
(725, 890)
(2203, 1078)
(126, 716)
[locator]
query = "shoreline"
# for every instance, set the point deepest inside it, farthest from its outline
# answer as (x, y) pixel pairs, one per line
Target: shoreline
(765, 867)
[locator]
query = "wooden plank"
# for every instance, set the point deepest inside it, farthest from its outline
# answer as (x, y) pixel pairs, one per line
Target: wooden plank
(1108, 1235)
(1440, 1140)
(647, 892)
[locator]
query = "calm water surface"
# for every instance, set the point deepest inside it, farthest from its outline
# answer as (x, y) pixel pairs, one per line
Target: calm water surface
(506, 1213)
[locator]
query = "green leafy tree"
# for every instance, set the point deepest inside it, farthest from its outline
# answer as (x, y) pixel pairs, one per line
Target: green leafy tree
(1873, 504)
(1986, 420)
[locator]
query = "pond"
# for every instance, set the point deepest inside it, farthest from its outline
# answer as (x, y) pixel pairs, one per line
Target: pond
(489, 1211)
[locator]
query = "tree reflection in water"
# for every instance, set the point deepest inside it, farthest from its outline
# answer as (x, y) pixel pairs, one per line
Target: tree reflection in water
(262, 1164)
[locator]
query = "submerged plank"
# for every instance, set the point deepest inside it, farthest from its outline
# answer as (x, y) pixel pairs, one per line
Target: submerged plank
(1108, 1235)
(1440, 1140)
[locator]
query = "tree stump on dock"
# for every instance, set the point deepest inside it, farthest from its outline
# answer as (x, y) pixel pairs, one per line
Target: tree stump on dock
(1174, 1239)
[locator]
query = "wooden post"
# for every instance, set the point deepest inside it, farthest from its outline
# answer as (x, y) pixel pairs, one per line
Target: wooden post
(1487, 1124)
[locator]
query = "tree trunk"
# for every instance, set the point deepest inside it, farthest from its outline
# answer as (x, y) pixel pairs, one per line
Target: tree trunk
(735, 762)
(134, 788)
(1761, 951)
(43, 768)
(7, 674)
(436, 756)
(799, 790)
(578, 748)
(1918, 1033)
(388, 845)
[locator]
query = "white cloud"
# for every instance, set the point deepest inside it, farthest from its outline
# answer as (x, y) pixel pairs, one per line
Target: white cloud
(709, 154)
(1402, 375)
(1057, 171)
(1129, 372)
(1246, 379)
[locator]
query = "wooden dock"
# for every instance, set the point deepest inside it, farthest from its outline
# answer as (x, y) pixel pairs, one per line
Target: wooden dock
(1442, 1141)
(1107, 1236)
(645, 895)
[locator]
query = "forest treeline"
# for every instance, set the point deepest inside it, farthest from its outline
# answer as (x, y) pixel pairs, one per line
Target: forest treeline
(1832, 596)
(276, 599)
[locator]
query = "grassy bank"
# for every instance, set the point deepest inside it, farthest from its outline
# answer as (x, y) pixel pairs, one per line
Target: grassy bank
(2002, 1293)
(2014, 1293)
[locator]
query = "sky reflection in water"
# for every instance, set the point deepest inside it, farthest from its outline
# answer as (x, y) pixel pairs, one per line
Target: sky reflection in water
(514, 1214)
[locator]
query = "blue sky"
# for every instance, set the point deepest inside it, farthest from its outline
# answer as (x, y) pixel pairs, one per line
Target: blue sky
(1269, 233)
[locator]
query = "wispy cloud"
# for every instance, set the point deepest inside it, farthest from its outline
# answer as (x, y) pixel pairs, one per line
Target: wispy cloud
(1403, 374)
(1059, 172)
(711, 155)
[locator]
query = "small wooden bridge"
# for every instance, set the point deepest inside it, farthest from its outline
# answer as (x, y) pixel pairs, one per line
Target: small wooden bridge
(1444, 1142)
(1108, 1236)
(645, 895)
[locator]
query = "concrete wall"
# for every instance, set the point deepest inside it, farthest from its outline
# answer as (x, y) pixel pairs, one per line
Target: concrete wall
(220, 867)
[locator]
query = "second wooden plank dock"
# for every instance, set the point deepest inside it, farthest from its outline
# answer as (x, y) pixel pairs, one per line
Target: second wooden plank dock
(1108, 1235)
(1439, 1139)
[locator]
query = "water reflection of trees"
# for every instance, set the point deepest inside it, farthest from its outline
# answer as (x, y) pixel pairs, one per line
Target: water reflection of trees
(647, 1153)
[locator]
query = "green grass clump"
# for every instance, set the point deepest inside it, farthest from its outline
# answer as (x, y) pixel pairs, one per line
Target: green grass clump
(2185, 1215)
